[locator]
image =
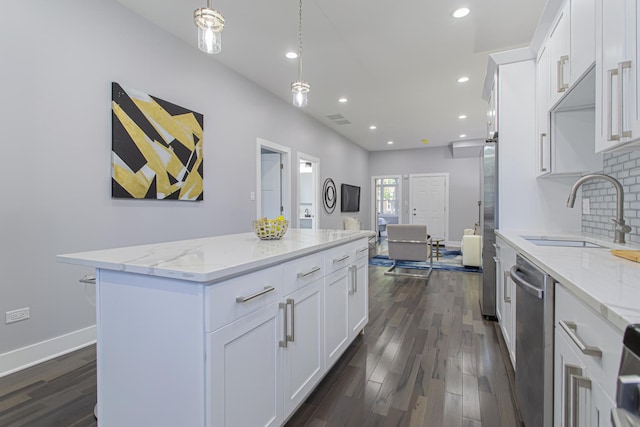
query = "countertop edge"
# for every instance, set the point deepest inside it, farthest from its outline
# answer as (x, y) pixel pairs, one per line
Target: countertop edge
(615, 319)
(217, 274)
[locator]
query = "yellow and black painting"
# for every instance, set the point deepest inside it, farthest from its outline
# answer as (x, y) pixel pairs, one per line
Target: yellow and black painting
(156, 148)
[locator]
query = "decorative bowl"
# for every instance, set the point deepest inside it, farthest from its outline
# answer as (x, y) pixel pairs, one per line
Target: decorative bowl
(270, 229)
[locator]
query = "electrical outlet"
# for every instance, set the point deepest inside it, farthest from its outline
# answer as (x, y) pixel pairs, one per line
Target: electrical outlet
(17, 315)
(586, 207)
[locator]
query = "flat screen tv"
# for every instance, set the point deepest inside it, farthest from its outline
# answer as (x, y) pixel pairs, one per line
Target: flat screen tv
(350, 198)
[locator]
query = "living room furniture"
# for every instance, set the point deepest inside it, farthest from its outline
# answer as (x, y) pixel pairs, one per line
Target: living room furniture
(437, 243)
(409, 242)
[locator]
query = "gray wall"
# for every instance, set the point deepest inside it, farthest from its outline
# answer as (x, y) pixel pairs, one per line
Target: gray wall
(57, 70)
(625, 167)
(464, 180)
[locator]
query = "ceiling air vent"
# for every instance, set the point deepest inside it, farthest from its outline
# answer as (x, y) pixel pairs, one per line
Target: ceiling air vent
(338, 119)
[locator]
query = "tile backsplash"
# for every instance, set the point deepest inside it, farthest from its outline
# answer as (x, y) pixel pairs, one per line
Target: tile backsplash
(625, 167)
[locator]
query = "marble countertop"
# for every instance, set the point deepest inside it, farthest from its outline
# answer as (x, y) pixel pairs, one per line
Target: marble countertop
(216, 258)
(607, 283)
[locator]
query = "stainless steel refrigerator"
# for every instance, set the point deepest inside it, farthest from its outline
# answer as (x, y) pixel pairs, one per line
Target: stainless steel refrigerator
(488, 224)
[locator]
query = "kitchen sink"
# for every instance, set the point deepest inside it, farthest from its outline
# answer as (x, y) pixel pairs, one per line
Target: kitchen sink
(566, 243)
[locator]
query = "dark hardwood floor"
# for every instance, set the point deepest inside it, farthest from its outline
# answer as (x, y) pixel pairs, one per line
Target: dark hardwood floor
(427, 358)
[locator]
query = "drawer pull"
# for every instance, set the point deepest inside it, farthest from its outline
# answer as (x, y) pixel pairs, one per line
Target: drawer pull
(363, 249)
(309, 273)
(571, 329)
(344, 258)
(256, 295)
(506, 298)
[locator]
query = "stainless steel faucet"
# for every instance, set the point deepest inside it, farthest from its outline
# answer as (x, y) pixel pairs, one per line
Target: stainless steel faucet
(620, 227)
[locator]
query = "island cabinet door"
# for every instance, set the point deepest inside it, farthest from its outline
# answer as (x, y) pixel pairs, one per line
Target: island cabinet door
(336, 315)
(243, 371)
(303, 356)
(358, 296)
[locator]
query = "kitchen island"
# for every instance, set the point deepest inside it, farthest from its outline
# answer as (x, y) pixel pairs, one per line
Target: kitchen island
(223, 331)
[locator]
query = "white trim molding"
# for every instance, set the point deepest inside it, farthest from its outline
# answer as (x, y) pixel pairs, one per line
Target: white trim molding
(25, 357)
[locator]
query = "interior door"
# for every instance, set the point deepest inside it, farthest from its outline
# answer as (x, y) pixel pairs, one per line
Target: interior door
(429, 203)
(271, 184)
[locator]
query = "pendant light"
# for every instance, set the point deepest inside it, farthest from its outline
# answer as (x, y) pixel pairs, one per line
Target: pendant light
(210, 24)
(300, 88)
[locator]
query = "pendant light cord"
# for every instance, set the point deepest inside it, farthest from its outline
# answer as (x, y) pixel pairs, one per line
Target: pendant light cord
(300, 40)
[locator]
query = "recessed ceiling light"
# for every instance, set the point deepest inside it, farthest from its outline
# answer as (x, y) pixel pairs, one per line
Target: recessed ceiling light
(291, 55)
(460, 13)
(463, 79)
(390, 142)
(463, 135)
(342, 100)
(462, 116)
(373, 127)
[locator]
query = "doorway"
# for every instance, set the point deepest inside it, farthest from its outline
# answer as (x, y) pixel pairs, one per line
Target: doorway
(387, 203)
(308, 172)
(272, 174)
(429, 203)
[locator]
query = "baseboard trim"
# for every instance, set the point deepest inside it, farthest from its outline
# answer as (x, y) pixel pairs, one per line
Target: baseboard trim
(25, 357)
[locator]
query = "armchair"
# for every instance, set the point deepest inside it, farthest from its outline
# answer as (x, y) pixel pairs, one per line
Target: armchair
(409, 243)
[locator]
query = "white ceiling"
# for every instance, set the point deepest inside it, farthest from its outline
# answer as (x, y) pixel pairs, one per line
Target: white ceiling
(397, 63)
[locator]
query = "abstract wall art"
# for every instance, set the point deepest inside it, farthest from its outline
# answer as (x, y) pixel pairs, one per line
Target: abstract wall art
(156, 148)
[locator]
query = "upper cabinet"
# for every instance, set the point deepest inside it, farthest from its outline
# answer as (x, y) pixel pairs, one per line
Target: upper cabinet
(617, 76)
(565, 94)
(558, 46)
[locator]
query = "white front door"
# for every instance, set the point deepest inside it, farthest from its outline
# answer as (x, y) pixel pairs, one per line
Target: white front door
(429, 203)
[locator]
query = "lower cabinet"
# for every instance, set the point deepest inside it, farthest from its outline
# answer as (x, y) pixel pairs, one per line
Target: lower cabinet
(358, 296)
(261, 366)
(580, 400)
(244, 371)
(506, 295)
(587, 354)
(303, 358)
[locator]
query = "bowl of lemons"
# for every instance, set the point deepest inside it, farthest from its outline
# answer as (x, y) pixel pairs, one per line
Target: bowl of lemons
(270, 229)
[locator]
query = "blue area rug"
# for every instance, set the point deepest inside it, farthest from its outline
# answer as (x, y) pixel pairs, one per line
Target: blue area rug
(449, 260)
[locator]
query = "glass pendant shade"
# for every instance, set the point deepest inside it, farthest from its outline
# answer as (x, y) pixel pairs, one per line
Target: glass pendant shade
(300, 90)
(210, 24)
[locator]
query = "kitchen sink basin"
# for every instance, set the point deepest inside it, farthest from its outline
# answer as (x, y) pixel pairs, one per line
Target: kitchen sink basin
(566, 243)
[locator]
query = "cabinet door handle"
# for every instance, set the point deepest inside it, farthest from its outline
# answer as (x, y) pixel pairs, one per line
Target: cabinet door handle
(622, 66)
(283, 343)
(569, 372)
(571, 328)
(346, 257)
(354, 278)
(562, 86)
(308, 273)
(610, 135)
(505, 297)
(542, 168)
(578, 382)
(292, 337)
(256, 295)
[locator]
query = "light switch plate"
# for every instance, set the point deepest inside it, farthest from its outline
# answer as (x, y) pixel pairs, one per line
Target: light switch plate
(586, 207)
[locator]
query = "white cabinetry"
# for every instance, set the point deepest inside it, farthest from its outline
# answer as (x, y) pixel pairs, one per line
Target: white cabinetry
(558, 45)
(346, 297)
(617, 75)
(506, 295)
(587, 353)
(243, 367)
(303, 358)
(543, 97)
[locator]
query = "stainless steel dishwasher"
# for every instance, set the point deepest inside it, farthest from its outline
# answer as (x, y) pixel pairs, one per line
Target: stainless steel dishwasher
(534, 343)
